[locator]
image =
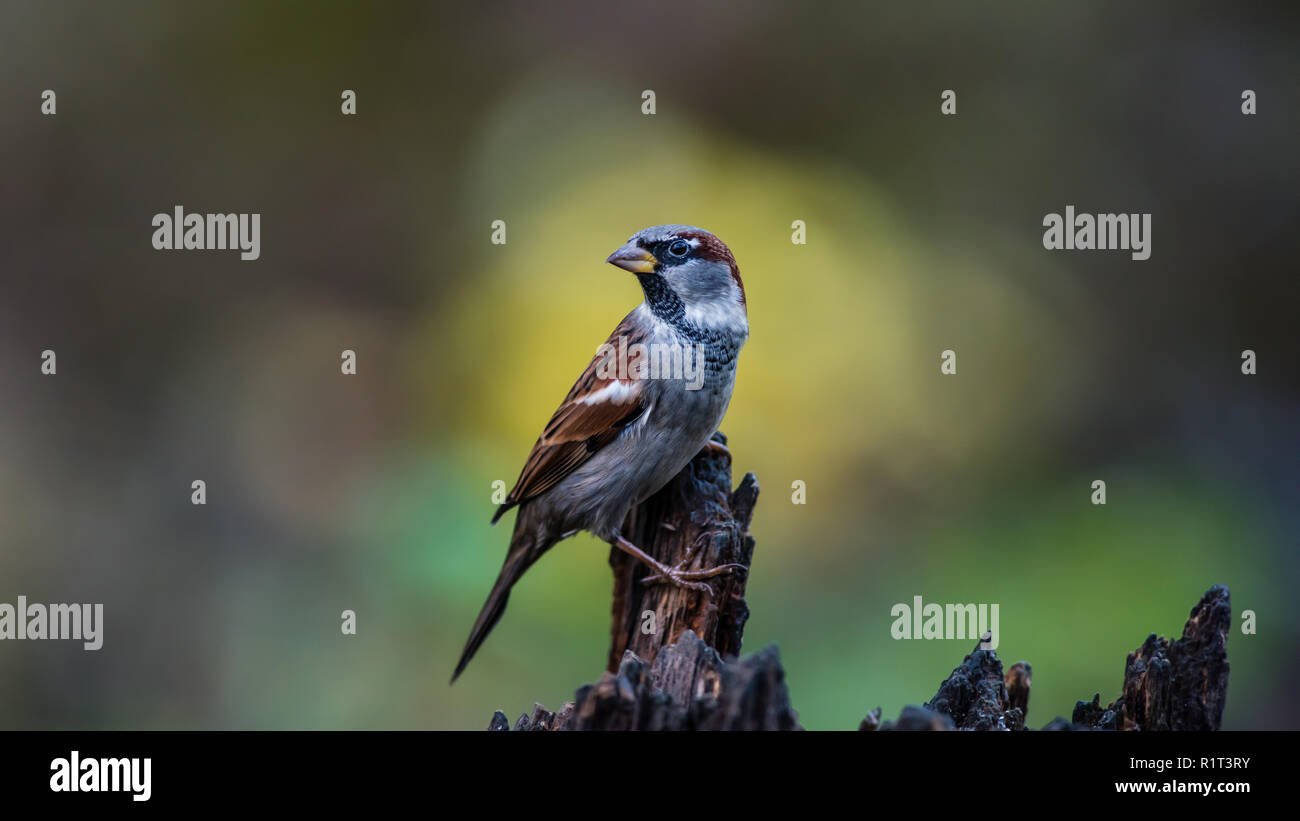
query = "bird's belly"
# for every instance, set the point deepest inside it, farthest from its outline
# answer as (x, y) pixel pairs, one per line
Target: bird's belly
(679, 424)
(650, 452)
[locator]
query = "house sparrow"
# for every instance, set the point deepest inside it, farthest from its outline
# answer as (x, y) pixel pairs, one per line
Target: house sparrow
(621, 435)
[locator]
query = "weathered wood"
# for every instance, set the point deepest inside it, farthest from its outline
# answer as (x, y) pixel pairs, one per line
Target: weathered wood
(672, 662)
(1180, 685)
(975, 696)
(688, 687)
(696, 519)
(1018, 681)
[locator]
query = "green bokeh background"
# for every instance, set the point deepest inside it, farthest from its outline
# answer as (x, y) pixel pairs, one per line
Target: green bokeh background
(372, 492)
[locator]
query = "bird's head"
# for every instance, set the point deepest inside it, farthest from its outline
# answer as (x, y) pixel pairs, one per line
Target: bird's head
(680, 266)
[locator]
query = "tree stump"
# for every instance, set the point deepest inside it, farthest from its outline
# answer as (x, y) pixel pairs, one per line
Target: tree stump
(1179, 685)
(696, 519)
(672, 657)
(688, 687)
(673, 651)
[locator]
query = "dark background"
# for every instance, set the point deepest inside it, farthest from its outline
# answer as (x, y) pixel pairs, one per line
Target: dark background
(372, 492)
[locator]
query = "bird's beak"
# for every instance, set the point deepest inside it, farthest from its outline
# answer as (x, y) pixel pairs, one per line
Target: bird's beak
(633, 258)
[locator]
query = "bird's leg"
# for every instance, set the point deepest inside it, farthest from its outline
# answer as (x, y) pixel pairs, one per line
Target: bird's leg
(679, 569)
(713, 446)
(662, 572)
(675, 573)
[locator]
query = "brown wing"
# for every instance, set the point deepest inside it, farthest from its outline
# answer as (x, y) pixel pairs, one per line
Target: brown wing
(598, 407)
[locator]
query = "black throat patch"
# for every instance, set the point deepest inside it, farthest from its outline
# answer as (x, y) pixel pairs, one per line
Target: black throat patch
(663, 300)
(720, 349)
(720, 345)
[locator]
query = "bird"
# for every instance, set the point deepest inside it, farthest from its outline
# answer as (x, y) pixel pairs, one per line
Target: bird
(621, 434)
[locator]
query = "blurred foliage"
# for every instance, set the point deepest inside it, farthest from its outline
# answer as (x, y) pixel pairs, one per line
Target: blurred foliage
(372, 492)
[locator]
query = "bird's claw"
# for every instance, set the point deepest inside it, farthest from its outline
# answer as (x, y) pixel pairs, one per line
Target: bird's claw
(714, 446)
(690, 579)
(680, 581)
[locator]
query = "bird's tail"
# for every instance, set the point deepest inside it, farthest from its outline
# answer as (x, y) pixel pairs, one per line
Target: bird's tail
(525, 549)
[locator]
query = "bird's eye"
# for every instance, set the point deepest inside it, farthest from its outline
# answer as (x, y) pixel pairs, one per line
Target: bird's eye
(679, 248)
